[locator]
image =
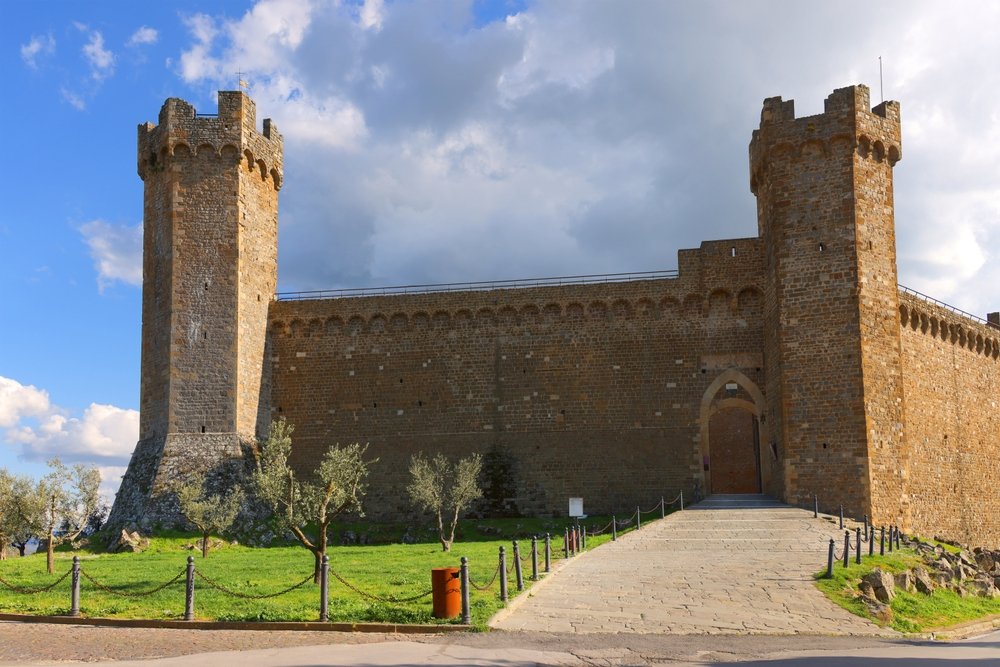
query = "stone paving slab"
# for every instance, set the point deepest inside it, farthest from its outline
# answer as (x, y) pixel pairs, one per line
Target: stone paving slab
(733, 564)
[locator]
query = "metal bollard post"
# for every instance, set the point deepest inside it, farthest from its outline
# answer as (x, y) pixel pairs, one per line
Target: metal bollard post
(503, 575)
(897, 538)
(841, 517)
(891, 528)
(583, 537)
(682, 500)
(518, 575)
(464, 581)
(847, 547)
(881, 542)
(829, 560)
(663, 508)
(566, 543)
(638, 518)
(534, 558)
(189, 591)
(866, 524)
(548, 552)
(74, 607)
(857, 545)
(614, 528)
(324, 590)
(815, 506)
(871, 540)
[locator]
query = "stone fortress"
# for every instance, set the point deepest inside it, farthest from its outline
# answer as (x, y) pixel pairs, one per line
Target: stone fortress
(789, 363)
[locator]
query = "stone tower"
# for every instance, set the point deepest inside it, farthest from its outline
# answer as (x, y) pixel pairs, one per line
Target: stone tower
(832, 341)
(210, 216)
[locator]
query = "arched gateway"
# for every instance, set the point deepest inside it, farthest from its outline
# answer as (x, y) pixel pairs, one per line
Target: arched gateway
(731, 428)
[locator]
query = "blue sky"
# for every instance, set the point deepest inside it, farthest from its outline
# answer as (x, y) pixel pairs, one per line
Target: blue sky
(446, 141)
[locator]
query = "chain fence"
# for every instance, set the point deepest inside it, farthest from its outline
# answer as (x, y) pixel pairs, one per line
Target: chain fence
(129, 594)
(250, 596)
(30, 591)
(378, 598)
(863, 534)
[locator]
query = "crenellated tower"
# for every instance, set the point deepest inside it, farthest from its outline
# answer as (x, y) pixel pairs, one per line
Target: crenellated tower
(832, 341)
(210, 220)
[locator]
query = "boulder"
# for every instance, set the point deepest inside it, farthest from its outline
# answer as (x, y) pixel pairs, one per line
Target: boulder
(867, 591)
(984, 559)
(881, 612)
(882, 583)
(922, 581)
(904, 581)
(982, 586)
(129, 542)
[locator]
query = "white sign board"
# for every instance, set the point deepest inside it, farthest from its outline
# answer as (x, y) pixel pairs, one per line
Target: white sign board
(576, 507)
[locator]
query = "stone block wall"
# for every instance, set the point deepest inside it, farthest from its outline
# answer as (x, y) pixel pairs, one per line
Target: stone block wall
(951, 379)
(582, 390)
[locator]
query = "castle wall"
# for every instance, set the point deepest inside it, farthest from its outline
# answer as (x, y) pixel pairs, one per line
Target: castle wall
(951, 379)
(581, 390)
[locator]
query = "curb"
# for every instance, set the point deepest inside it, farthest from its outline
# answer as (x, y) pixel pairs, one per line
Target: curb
(309, 626)
(964, 630)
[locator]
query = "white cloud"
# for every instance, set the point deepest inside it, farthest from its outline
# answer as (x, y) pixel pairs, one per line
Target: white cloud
(30, 422)
(18, 401)
(41, 430)
(371, 14)
(144, 35)
(39, 45)
(421, 146)
(101, 60)
(116, 251)
(74, 99)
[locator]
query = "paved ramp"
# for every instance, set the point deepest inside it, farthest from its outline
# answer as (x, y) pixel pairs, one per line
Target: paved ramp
(731, 564)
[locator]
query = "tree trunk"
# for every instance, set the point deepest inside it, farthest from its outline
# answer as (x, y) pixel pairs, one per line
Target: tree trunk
(317, 564)
(3, 551)
(204, 545)
(50, 555)
(20, 549)
(320, 551)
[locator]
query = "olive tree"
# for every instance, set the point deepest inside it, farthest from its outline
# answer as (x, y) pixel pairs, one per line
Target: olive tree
(22, 517)
(438, 486)
(71, 494)
(208, 512)
(306, 506)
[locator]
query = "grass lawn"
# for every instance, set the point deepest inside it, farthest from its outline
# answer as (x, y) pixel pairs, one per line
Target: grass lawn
(385, 570)
(912, 612)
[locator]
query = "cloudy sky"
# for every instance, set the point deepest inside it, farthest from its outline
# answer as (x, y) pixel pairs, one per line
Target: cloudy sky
(447, 141)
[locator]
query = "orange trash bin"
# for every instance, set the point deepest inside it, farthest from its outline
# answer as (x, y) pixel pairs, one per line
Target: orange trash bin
(447, 594)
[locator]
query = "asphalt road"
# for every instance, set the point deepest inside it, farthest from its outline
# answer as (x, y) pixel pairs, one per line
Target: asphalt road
(31, 644)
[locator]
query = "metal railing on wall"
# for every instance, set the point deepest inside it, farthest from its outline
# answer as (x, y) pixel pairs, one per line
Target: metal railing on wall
(479, 286)
(942, 304)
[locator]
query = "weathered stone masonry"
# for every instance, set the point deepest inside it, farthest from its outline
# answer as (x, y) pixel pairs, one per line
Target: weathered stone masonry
(788, 363)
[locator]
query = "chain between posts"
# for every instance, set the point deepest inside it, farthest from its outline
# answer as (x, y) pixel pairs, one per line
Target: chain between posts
(489, 584)
(29, 591)
(126, 594)
(372, 596)
(247, 596)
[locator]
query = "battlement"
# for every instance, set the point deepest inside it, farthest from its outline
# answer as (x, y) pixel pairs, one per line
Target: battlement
(231, 133)
(847, 124)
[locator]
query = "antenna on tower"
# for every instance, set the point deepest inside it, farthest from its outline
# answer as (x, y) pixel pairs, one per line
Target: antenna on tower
(881, 89)
(243, 85)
